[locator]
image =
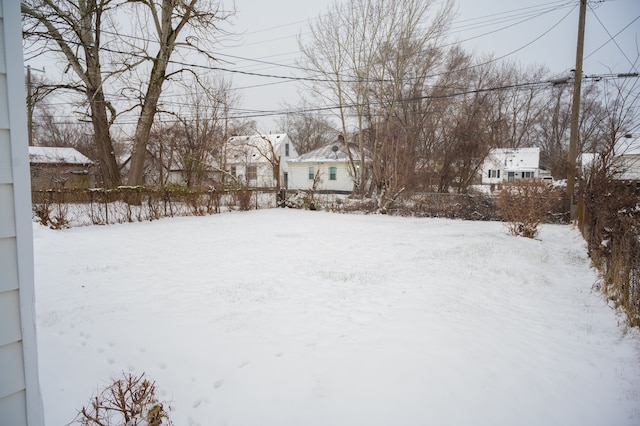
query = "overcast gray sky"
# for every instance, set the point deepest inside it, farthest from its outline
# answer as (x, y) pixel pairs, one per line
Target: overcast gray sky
(518, 30)
(528, 31)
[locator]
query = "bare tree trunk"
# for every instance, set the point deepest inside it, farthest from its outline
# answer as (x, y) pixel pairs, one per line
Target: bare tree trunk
(167, 36)
(69, 26)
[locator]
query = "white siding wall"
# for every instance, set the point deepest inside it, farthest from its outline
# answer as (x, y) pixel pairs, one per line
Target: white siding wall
(20, 400)
(299, 176)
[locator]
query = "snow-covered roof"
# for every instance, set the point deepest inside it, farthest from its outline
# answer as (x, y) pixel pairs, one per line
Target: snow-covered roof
(514, 158)
(335, 152)
(255, 147)
(56, 155)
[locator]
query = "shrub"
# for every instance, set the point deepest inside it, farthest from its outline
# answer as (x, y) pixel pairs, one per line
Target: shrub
(244, 199)
(129, 401)
(53, 214)
(524, 205)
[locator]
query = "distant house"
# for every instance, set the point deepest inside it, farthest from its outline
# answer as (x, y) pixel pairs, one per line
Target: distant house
(510, 164)
(327, 167)
(60, 167)
(254, 160)
(625, 163)
(627, 158)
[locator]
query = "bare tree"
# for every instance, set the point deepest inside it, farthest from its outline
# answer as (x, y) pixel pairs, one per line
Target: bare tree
(193, 141)
(363, 55)
(74, 29)
(551, 127)
(308, 130)
(48, 130)
(552, 130)
(86, 34)
(168, 20)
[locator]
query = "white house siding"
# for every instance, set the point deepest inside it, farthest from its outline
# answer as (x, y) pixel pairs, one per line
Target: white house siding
(504, 164)
(627, 160)
(299, 176)
(627, 167)
(245, 151)
(20, 400)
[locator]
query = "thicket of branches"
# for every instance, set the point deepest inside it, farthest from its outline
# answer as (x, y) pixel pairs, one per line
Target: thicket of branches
(610, 222)
(130, 400)
(526, 204)
(609, 214)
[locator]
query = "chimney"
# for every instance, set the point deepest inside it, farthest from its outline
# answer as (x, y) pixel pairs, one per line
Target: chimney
(340, 138)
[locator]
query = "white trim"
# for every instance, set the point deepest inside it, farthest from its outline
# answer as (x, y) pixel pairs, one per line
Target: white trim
(12, 33)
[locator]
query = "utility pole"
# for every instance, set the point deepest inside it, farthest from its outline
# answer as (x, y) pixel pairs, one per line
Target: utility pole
(30, 105)
(575, 110)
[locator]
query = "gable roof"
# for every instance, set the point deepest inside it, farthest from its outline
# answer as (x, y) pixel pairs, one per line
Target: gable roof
(333, 152)
(255, 147)
(57, 155)
(514, 158)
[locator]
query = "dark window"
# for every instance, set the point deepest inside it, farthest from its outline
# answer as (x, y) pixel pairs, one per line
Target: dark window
(312, 174)
(332, 173)
(252, 172)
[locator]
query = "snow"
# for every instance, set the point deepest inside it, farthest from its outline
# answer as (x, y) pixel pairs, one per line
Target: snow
(56, 155)
(290, 317)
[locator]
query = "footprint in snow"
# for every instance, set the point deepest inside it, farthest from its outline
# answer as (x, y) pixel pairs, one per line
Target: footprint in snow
(243, 364)
(217, 384)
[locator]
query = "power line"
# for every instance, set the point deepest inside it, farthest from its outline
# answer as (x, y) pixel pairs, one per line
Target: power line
(613, 38)
(241, 113)
(511, 15)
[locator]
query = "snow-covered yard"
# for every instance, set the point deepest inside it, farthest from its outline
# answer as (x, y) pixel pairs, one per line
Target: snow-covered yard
(297, 318)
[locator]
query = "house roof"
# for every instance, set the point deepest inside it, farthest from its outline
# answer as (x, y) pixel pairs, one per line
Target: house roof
(334, 152)
(629, 145)
(56, 155)
(515, 158)
(255, 147)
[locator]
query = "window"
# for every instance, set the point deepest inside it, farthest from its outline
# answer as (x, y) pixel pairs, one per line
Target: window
(252, 172)
(312, 173)
(286, 149)
(332, 173)
(527, 175)
(233, 171)
(494, 174)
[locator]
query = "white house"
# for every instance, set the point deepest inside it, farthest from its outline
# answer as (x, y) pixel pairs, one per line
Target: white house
(253, 160)
(509, 164)
(327, 166)
(625, 163)
(627, 158)
(20, 397)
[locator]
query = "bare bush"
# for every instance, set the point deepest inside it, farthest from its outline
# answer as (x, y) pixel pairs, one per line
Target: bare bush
(244, 199)
(51, 210)
(130, 401)
(524, 205)
(609, 218)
